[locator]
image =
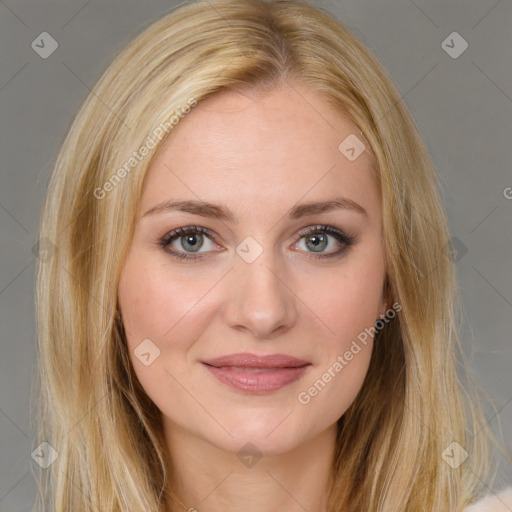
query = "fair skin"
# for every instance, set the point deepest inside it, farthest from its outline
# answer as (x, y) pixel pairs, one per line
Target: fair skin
(260, 155)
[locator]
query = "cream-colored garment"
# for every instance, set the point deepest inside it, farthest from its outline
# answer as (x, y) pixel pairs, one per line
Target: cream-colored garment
(500, 502)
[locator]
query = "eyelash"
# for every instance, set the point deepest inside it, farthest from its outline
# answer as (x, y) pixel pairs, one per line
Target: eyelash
(344, 238)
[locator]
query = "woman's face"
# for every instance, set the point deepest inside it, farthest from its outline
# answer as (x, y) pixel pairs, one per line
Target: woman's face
(272, 273)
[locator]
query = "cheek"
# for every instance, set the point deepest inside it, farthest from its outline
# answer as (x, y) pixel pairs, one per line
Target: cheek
(171, 310)
(154, 302)
(159, 306)
(347, 304)
(335, 387)
(347, 300)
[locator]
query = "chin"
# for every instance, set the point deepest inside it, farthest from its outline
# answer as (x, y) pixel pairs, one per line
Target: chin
(271, 435)
(248, 441)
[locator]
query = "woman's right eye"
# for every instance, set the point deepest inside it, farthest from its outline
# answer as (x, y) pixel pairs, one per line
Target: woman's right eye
(190, 238)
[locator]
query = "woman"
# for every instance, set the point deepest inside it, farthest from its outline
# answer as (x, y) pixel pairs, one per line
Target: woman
(304, 358)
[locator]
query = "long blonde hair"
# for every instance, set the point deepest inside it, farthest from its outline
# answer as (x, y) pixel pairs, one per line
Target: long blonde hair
(95, 414)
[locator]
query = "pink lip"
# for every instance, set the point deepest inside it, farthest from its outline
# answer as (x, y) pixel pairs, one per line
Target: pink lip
(257, 374)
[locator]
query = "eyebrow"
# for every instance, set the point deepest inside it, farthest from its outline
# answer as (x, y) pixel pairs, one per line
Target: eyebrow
(221, 212)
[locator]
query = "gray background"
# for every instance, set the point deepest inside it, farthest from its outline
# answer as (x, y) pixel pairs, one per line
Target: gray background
(463, 107)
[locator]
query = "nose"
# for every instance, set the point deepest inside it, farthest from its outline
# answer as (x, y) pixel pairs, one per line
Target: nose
(261, 301)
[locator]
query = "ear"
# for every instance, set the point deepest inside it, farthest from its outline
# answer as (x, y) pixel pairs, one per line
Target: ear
(386, 299)
(383, 309)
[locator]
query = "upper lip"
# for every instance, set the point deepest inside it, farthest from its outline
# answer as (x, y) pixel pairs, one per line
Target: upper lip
(254, 361)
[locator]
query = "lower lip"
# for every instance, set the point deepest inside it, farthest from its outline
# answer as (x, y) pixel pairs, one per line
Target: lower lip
(257, 380)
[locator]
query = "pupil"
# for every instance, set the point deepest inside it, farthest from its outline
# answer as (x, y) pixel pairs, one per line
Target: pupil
(319, 240)
(191, 240)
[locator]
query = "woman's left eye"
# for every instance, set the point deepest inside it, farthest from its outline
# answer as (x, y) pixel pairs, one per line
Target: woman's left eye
(316, 240)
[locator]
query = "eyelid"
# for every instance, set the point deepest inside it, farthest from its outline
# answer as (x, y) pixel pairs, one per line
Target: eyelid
(331, 230)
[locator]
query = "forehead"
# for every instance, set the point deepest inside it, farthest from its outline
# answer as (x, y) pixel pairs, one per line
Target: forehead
(270, 148)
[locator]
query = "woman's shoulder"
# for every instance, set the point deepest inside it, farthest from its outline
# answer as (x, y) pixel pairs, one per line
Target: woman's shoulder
(498, 502)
